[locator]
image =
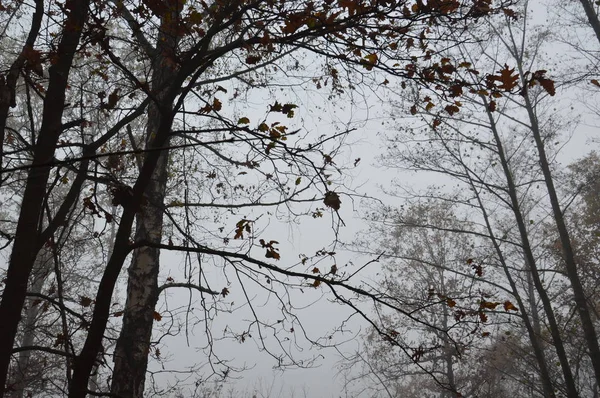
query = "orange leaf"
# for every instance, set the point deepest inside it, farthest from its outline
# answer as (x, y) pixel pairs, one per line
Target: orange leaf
(506, 77)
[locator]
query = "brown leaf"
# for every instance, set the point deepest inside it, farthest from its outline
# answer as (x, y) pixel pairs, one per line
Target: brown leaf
(510, 13)
(452, 109)
(369, 61)
(253, 59)
(332, 200)
(240, 227)
(490, 305)
(157, 317)
(85, 301)
(547, 84)
(508, 306)
(272, 253)
(506, 78)
(483, 316)
(224, 292)
(113, 99)
(33, 60)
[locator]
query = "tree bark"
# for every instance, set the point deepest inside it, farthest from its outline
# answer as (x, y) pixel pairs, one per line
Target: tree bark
(27, 241)
(449, 349)
(528, 253)
(581, 301)
(592, 17)
(84, 362)
(8, 82)
(21, 374)
(534, 338)
(134, 342)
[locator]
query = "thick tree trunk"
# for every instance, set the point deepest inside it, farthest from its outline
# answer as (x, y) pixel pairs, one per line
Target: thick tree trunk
(84, 363)
(145, 204)
(27, 242)
(133, 344)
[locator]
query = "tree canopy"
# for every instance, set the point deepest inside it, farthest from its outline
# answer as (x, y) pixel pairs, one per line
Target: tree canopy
(136, 134)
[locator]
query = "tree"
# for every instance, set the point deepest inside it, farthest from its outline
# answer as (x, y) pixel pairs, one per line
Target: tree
(154, 61)
(427, 269)
(480, 141)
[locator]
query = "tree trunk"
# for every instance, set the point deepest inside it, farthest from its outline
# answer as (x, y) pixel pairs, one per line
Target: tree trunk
(21, 374)
(84, 363)
(94, 383)
(449, 348)
(581, 302)
(533, 336)
(529, 257)
(8, 83)
(27, 242)
(134, 342)
(592, 17)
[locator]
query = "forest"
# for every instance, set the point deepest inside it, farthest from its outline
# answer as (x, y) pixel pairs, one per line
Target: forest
(351, 198)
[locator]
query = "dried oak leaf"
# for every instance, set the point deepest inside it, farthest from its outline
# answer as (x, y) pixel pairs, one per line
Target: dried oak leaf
(508, 306)
(85, 301)
(332, 200)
